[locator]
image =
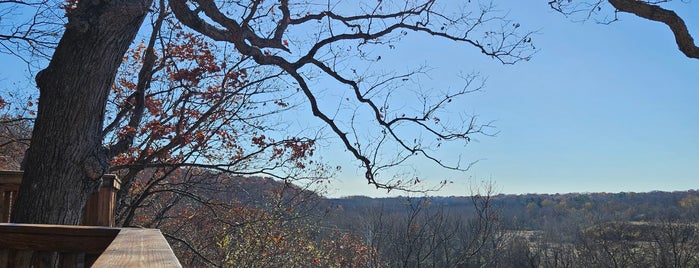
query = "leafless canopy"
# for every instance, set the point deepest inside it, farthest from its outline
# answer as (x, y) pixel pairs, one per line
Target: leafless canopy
(30, 28)
(271, 32)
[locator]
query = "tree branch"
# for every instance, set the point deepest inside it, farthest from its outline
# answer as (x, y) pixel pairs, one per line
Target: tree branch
(684, 39)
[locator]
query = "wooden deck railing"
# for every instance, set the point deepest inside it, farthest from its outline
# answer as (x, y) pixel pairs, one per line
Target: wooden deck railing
(99, 209)
(31, 245)
(83, 246)
(9, 186)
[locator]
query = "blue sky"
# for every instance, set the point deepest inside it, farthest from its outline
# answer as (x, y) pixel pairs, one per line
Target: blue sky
(599, 108)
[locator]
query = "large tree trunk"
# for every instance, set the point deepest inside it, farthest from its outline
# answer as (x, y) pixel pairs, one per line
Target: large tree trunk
(65, 161)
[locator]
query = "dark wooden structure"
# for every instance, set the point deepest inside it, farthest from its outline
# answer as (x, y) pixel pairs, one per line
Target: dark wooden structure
(96, 245)
(9, 186)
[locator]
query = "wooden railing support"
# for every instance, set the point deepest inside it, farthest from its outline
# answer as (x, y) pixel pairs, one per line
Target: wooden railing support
(99, 209)
(9, 186)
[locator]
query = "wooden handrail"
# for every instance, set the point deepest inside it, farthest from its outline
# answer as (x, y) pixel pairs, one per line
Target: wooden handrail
(112, 247)
(138, 248)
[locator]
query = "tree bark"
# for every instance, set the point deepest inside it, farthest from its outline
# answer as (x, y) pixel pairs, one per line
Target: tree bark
(66, 159)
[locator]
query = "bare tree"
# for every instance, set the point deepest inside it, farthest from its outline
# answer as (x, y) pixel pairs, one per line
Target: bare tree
(429, 234)
(182, 102)
(212, 219)
(14, 140)
(674, 244)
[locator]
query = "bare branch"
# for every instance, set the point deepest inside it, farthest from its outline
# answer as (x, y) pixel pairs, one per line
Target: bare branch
(262, 41)
(684, 39)
(649, 10)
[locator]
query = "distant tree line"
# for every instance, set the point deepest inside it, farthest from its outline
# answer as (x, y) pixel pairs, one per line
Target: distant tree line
(655, 229)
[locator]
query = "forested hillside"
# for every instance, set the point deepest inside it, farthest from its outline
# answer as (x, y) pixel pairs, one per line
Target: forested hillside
(535, 211)
(656, 229)
(266, 222)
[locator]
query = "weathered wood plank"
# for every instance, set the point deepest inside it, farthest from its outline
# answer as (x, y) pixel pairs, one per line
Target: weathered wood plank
(60, 238)
(138, 248)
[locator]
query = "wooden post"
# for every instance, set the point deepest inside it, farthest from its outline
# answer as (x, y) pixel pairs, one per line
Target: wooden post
(9, 186)
(99, 210)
